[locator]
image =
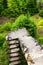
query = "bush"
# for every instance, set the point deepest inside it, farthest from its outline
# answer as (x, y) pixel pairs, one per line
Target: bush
(22, 21)
(1, 6)
(13, 8)
(5, 4)
(2, 40)
(3, 50)
(40, 22)
(22, 7)
(8, 13)
(32, 7)
(5, 27)
(1, 29)
(41, 13)
(33, 10)
(40, 39)
(4, 55)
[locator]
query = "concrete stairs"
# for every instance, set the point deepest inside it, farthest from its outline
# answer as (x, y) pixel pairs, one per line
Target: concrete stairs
(14, 52)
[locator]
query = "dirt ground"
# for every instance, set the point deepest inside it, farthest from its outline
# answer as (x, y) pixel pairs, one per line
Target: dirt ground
(4, 19)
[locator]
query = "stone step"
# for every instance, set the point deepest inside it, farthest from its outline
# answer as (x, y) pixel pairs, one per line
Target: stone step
(13, 46)
(15, 63)
(11, 39)
(14, 59)
(14, 50)
(14, 54)
(14, 42)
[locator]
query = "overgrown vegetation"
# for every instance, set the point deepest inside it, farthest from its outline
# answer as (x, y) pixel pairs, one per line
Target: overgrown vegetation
(6, 27)
(41, 13)
(23, 11)
(40, 39)
(23, 21)
(13, 8)
(2, 39)
(3, 50)
(40, 23)
(1, 6)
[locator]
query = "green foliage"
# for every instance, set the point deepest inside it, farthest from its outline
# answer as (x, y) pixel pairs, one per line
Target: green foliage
(22, 7)
(1, 29)
(33, 8)
(40, 39)
(13, 8)
(5, 4)
(3, 50)
(40, 22)
(5, 27)
(22, 21)
(2, 40)
(18, 6)
(41, 13)
(4, 55)
(9, 13)
(1, 6)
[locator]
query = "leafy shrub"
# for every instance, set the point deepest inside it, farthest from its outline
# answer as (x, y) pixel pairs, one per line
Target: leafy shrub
(27, 14)
(1, 29)
(2, 40)
(5, 27)
(22, 7)
(40, 22)
(40, 39)
(3, 50)
(32, 6)
(19, 7)
(8, 13)
(22, 21)
(41, 13)
(4, 55)
(3, 46)
(33, 10)
(5, 4)
(1, 6)
(13, 8)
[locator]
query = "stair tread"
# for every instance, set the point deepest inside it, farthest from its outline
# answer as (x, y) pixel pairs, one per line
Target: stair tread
(14, 50)
(14, 59)
(14, 63)
(14, 54)
(13, 46)
(13, 42)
